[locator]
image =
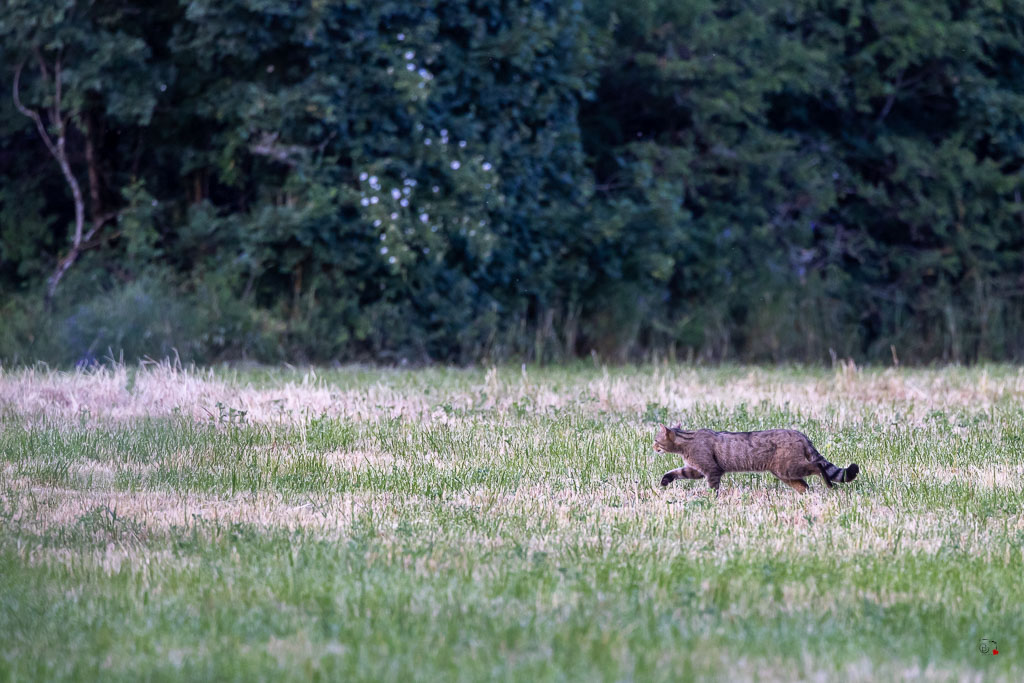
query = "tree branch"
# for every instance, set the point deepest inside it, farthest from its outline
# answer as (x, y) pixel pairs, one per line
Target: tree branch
(891, 100)
(57, 150)
(268, 146)
(31, 113)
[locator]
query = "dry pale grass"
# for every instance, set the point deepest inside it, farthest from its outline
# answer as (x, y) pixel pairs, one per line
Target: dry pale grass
(846, 394)
(44, 508)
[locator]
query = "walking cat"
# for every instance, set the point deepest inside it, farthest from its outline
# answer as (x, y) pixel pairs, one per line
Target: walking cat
(786, 453)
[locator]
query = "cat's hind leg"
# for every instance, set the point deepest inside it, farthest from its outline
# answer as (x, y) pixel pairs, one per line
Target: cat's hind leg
(793, 480)
(799, 484)
(684, 472)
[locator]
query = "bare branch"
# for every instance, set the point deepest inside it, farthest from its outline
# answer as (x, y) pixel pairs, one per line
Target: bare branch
(31, 113)
(268, 146)
(42, 64)
(891, 99)
(323, 145)
(88, 236)
(97, 223)
(58, 152)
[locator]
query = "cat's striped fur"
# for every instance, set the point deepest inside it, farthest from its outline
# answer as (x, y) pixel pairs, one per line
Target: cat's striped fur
(786, 453)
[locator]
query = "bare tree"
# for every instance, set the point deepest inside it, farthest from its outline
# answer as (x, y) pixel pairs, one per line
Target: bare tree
(57, 145)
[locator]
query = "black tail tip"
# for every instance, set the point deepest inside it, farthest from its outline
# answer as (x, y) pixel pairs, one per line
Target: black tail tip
(851, 472)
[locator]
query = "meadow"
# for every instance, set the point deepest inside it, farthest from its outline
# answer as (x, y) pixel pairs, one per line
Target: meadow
(166, 523)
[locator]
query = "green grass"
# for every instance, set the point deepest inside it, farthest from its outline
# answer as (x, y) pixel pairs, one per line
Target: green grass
(464, 525)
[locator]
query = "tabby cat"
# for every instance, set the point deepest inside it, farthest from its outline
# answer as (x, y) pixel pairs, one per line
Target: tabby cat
(786, 453)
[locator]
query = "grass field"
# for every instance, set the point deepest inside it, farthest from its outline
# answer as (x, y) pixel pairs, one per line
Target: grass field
(438, 524)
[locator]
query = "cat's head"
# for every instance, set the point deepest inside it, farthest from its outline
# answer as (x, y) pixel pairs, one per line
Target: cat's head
(666, 440)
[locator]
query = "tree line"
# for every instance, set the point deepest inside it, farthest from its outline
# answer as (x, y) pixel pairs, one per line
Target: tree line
(481, 180)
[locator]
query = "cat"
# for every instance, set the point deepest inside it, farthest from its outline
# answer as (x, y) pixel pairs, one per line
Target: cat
(786, 453)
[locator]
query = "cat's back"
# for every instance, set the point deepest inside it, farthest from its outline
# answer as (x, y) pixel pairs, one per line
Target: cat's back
(760, 450)
(782, 436)
(753, 444)
(765, 441)
(776, 435)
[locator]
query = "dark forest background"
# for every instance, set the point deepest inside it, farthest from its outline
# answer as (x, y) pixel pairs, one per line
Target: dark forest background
(485, 180)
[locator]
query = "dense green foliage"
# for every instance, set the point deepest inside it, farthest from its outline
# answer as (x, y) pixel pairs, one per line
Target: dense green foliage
(487, 179)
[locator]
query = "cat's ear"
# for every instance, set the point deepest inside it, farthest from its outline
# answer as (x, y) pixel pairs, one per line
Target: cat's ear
(679, 425)
(663, 432)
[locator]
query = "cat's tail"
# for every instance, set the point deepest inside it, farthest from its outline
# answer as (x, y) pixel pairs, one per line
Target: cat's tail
(829, 472)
